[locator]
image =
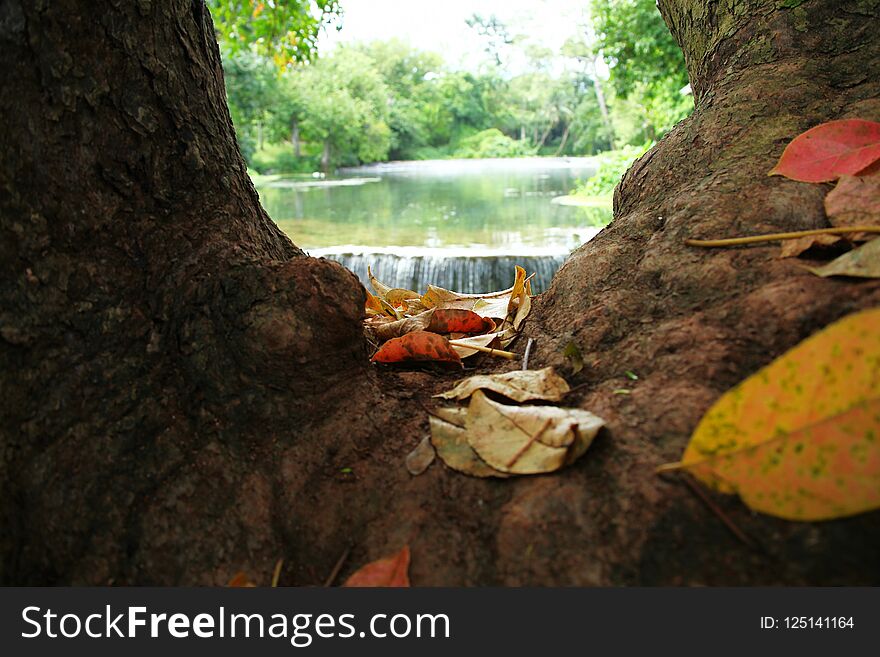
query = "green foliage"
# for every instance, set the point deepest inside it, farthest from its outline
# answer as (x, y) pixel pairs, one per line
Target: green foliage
(492, 143)
(646, 67)
(612, 166)
(285, 31)
(387, 100)
(281, 158)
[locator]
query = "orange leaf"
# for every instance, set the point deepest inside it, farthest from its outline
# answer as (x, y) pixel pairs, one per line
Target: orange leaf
(240, 580)
(447, 320)
(830, 150)
(391, 571)
(419, 345)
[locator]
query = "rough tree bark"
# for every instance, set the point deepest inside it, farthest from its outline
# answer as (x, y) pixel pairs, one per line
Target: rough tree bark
(182, 386)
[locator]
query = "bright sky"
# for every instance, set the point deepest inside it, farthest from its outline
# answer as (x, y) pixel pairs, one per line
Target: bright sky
(439, 25)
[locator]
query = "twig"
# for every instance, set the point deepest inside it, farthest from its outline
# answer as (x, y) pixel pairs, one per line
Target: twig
(335, 572)
(528, 352)
(509, 355)
(773, 237)
(276, 575)
(699, 492)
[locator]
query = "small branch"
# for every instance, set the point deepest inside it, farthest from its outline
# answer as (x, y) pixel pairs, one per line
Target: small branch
(276, 575)
(736, 531)
(509, 355)
(335, 572)
(528, 352)
(775, 237)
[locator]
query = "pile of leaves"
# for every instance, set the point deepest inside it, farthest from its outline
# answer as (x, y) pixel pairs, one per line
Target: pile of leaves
(444, 326)
(490, 438)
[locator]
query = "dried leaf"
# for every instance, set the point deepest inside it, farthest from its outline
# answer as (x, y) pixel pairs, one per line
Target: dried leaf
(380, 288)
(391, 571)
(399, 297)
(418, 460)
(445, 320)
(450, 440)
(528, 439)
(240, 580)
(383, 328)
(793, 248)
(799, 439)
(519, 385)
(461, 346)
(863, 262)
(373, 305)
(855, 201)
(830, 150)
(417, 346)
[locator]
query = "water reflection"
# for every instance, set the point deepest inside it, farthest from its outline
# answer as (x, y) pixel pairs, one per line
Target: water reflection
(441, 211)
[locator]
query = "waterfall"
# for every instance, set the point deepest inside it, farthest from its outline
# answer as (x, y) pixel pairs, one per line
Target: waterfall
(462, 273)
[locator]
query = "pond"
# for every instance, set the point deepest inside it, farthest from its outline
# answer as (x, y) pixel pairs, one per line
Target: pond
(460, 224)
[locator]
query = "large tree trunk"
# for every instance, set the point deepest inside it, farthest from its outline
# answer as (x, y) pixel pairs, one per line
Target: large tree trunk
(186, 395)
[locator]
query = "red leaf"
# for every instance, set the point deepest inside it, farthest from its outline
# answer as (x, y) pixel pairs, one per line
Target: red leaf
(418, 345)
(451, 320)
(240, 580)
(830, 150)
(391, 571)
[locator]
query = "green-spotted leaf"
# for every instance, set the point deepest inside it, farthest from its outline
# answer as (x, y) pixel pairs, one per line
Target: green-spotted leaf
(800, 439)
(863, 262)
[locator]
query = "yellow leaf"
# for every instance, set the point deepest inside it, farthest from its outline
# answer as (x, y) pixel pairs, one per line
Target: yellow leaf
(450, 440)
(800, 439)
(528, 439)
(519, 385)
(398, 296)
(380, 288)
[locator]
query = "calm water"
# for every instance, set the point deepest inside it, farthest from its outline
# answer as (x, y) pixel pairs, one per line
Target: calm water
(454, 223)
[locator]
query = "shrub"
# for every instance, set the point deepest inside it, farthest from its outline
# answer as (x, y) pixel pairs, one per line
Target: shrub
(492, 143)
(612, 166)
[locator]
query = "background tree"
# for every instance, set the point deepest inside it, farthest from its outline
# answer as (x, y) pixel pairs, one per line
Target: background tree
(287, 31)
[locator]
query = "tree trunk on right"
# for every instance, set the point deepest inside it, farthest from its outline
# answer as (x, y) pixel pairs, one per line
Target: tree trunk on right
(692, 323)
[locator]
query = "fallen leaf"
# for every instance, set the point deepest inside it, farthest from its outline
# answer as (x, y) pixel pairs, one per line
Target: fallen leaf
(240, 580)
(389, 572)
(830, 150)
(383, 328)
(446, 320)
(418, 460)
(855, 201)
(399, 297)
(373, 305)
(461, 346)
(799, 439)
(528, 439)
(449, 438)
(793, 248)
(417, 346)
(863, 262)
(519, 385)
(380, 288)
